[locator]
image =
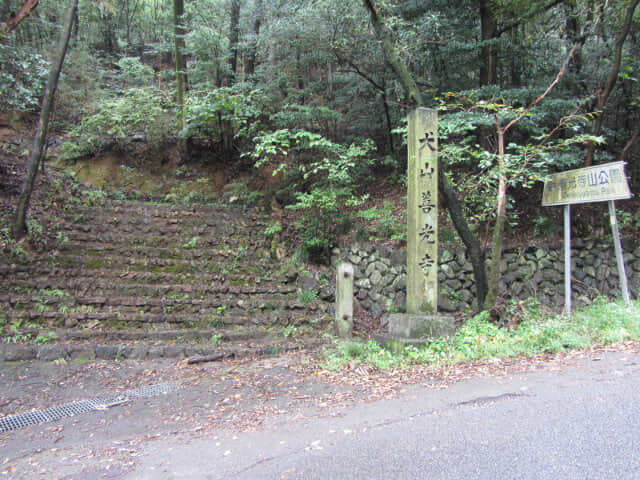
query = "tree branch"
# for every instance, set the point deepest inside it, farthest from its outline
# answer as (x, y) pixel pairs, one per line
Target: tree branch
(603, 97)
(541, 97)
(517, 22)
(14, 20)
(402, 72)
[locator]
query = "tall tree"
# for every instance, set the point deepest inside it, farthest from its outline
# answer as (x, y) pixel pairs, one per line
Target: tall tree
(489, 51)
(234, 39)
(179, 44)
(609, 84)
(255, 32)
(19, 226)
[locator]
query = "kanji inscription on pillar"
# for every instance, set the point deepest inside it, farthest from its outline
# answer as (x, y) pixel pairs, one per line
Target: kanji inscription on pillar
(422, 212)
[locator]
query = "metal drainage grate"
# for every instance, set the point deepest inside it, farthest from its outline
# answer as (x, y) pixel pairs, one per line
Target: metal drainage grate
(22, 420)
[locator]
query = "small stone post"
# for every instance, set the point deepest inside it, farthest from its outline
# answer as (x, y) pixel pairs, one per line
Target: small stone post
(344, 301)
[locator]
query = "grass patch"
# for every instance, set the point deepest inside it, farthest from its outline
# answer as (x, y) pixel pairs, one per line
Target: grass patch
(601, 323)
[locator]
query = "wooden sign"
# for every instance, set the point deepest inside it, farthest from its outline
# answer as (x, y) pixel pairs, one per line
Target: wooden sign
(600, 183)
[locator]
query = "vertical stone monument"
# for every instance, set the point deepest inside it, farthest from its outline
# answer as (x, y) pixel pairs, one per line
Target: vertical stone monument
(422, 320)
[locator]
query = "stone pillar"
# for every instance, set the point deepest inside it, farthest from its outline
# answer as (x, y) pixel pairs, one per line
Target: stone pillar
(422, 212)
(421, 322)
(344, 301)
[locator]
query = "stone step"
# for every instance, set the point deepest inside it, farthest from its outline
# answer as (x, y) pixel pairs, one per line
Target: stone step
(112, 348)
(205, 253)
(111, 230)
(131, 319)
(128, 306)
(195, 287)
(119, 263)
(127, 215)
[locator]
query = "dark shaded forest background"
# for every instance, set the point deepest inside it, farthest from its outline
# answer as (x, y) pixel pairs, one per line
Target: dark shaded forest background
(299, 99)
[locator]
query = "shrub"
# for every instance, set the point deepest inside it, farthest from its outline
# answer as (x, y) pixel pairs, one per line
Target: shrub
(23, 76)
(118, 121)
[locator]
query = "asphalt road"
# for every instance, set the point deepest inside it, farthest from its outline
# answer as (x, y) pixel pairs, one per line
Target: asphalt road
(579, 423)
(576, 422)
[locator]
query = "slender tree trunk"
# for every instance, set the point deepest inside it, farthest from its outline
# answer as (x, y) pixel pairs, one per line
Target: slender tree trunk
(632, 140)
(501, 198)
(181, 64)
(402, 72)
(19, 224)
(452, 203)
(387, 117)
(498, 231)
(607, 88)
(257, 23)
(489, 51)
(234, 38)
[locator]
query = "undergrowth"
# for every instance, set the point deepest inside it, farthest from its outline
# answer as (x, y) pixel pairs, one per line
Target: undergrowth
(601, 323)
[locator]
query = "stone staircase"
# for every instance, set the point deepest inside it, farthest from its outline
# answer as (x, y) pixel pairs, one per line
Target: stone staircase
(132, 270)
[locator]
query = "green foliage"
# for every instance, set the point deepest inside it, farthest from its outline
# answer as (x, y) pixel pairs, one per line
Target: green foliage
(385, 223)
(306, 117)
(23, 76)
(369, 353)
(308, 295)
(239, 192)
(212, 112)
(134, 73)
(330, 172)
(290, 331)
(272, 230)
(10, 247)
(603, 322)
(117, 121)
(191, 243)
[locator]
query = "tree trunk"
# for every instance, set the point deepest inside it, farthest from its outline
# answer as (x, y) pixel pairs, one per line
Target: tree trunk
(234, 38)
(19, 224)
(489, 51)
(452, 203)
(501, 198)
(257, 23)
(474, 249)
(629, 144)
(402, 72)
(498, 231)
(607, 88)
(181, 64)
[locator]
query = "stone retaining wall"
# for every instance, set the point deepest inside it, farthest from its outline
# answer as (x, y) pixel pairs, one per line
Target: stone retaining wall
(527, 271)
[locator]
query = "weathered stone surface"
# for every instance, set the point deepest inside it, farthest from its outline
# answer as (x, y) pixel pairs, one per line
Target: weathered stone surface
(446, 256)
(49, 353)
(535, 268)
(376, 278)
(136, 351)
(17, 353)
(420, 326)
(106, 352)
(344, 301)
(84, 352)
